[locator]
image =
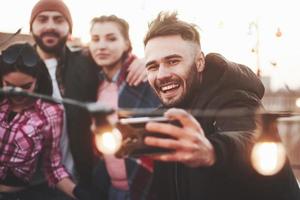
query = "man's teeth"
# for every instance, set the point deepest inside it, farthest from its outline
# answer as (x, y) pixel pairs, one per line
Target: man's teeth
(169, 87)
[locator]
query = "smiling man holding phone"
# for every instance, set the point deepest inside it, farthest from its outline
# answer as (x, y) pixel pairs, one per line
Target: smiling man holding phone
(211, 155)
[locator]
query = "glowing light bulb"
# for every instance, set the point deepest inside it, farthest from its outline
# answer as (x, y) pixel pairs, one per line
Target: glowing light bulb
(268, 158)
(109, 142)
(297, 102)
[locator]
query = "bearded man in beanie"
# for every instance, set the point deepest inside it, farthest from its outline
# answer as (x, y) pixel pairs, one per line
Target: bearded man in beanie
(73, 76)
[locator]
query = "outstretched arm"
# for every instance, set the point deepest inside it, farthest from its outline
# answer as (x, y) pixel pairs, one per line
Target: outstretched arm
(190, 145)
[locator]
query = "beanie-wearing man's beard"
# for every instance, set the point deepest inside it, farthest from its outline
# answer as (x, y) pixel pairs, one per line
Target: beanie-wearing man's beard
(55, 49)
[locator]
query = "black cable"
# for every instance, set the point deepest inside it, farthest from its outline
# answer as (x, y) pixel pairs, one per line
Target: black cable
(93, 108)
(231, 112)
(99, 108)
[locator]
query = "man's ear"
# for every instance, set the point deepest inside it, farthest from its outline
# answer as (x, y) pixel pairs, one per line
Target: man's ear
(200, 61)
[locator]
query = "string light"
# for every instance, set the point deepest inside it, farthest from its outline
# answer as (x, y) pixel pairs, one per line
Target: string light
(297, 102)
(108, 142)
(268, 154)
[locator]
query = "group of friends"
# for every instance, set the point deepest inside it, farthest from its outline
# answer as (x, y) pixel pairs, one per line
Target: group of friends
(47, 150)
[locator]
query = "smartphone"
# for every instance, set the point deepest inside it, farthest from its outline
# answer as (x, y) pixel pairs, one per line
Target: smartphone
(134, 133)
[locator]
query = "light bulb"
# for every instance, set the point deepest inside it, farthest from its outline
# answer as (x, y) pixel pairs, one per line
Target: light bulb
(268, 158)
(109, 142)
(297, 102)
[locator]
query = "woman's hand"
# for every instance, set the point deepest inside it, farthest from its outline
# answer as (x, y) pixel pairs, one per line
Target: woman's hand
(136, 72)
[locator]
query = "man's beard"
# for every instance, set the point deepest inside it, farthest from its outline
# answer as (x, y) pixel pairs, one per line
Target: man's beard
(192, 82)
(56, 49)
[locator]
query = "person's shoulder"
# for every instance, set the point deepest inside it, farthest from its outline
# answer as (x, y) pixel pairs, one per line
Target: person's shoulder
(231, 75)
(218, 61)
(215, 67)
(78, 52)
(215, 58)
(80, 57)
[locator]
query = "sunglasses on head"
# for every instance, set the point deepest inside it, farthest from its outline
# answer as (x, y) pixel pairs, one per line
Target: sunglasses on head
(22, 51)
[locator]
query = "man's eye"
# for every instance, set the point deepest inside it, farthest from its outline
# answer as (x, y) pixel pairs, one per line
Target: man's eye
(151, 67)
(59, 19)
(173, 62)
(42, 19)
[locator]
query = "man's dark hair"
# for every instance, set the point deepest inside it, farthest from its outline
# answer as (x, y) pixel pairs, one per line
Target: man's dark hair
(168, 24)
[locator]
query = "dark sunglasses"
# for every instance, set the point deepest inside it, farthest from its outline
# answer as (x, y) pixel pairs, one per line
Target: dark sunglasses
(22, 51)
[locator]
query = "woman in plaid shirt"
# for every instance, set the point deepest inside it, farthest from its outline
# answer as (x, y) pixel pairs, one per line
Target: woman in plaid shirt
(30, 129)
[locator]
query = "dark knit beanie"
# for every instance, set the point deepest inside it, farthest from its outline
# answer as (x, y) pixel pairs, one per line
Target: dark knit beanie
(51, 5)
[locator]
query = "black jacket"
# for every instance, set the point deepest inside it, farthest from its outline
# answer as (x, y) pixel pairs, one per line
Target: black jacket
(225, 85)
(80, 81)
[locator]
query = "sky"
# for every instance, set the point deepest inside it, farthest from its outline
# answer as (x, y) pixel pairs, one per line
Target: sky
(229, 27)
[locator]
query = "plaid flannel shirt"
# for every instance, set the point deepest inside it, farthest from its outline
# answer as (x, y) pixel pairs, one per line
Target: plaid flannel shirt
(32, 133)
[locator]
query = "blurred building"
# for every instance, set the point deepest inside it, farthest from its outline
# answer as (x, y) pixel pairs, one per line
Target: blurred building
(288, 127)
(7, 39)
(282, 100)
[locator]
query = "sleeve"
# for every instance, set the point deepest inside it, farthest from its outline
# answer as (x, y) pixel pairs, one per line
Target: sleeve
(233, 139)
(54, 169)
(233, 136)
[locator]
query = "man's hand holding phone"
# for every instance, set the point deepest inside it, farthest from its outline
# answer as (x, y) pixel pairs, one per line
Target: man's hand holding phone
(133, 133)
(188, 142)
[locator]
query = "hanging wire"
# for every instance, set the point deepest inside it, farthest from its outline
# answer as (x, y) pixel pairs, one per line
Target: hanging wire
(93, 108)
(99, 108)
